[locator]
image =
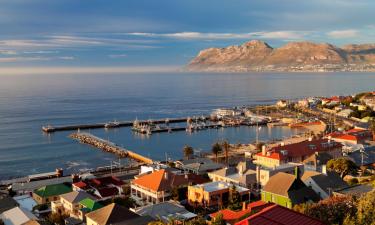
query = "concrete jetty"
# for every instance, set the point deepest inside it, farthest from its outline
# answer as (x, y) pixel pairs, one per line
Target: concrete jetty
(50, 128)
(108, 146)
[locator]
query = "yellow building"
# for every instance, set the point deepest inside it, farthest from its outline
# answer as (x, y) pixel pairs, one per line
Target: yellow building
(50, 193)
(214, 194)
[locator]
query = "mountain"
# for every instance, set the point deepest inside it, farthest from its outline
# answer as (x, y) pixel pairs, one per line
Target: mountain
(257, 55)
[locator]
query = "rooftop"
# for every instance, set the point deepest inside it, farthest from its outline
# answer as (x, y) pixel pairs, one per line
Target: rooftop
(17, 216)
(111, 214)
(220, 185)
(166, 210)
(278, 215)
(31, 186)
(76, 196)
(53, 190)
(163, 180)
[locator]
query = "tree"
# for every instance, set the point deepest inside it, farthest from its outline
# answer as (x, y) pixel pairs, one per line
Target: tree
(226, 147)
(342, 166)
(197, 221)
(372, 128)
(218, 220)
(56, 218)
(188, 151)
(216, 149)
(333, 210)
(234, 198)
(365, 211)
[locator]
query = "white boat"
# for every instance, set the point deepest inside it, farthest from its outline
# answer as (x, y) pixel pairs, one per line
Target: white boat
(112, 124)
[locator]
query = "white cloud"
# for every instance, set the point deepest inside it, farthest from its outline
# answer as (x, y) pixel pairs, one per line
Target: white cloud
(343, 33)
(210, 36)
(114, 56)
(22, 59)
(66, 57)
(8, 52)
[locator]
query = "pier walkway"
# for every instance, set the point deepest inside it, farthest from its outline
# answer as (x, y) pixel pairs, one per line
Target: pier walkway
(108, 146)
(50, 129)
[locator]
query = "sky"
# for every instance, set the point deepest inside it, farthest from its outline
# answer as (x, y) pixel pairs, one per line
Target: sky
(166, 33)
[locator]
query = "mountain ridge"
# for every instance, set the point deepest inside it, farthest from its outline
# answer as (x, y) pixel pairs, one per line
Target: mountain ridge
(257, 55)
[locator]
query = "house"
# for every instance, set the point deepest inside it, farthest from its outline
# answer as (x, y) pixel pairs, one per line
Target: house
(28, 187)
(165, 211)
(278, 215)
(282, 103)
(198, 166)
(287, 190)
(323, 183)
(214, 194)
(232, 217)
(244, 174)
(157, 187)
(88, 205)
(363, 157)
(115, 214)
(345, 113)
(80, 186)
(17, 216)
(25, 201)
(6, 203)
(351, 137)
(69, 203)
(103, 188)
(50, 193)
(296, 152)
(265, 173)
(316, 161)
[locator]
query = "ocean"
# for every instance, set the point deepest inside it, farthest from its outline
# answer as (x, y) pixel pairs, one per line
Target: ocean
(27, 102)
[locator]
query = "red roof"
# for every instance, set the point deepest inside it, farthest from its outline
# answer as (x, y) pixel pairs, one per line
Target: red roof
(304, 148)
(105, 181)
(235, 215)
(108, 192)
(352, 135)
(80, 184)
(164, 180)
(278, 215)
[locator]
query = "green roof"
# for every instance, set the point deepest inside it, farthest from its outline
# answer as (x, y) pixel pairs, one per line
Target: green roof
(53, 190)
(90, 204)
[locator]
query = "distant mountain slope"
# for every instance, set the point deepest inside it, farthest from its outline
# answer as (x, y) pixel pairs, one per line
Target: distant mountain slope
(257, 55)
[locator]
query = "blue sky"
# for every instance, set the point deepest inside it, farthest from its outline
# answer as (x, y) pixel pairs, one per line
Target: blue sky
(157, 33)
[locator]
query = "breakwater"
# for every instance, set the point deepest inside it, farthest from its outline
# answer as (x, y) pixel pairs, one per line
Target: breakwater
(109, 147)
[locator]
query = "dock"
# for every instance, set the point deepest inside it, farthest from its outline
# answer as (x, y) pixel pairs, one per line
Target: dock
(108, 146)
(51, 129)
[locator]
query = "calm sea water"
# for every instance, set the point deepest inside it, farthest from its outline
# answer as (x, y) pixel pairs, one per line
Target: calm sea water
(29, 101)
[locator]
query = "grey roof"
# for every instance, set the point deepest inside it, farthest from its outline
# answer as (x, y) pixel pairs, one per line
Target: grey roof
(331, 181)
(76, 196)
(202, 166)
(17, 216)
(368, 158)
(247, 176)
(355, 190)
(166, 210)
(7, 203)
(33, 185)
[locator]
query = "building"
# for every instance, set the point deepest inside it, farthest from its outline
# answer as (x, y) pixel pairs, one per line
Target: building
(296, 152)
(265, 173)
(157, 187)
(356, 190)
(115, 214)
(232, 217)
(363, 157)
(28, 187)
(6, 203)
(287, 190)
(88, 205)
(166, 211)
(323, 183)
(17, 216)
(316, 161)
(214, 194)
(102, 188)
(69, 203)
(352, 137)
(50, 193)
(198, 166)
(278, 215)
(244, 174)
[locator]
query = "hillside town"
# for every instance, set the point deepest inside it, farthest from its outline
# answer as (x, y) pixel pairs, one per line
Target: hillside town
(324, 175)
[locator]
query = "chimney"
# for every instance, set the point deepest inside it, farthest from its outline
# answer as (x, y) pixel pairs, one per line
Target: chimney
(166, 175)
(310, 138)
(186, 176)
(263, 150)
(324, 169)
(75, 178)
(296, 172)
(59, 172)
(240, 170)
(243, 206)
(282, 144)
